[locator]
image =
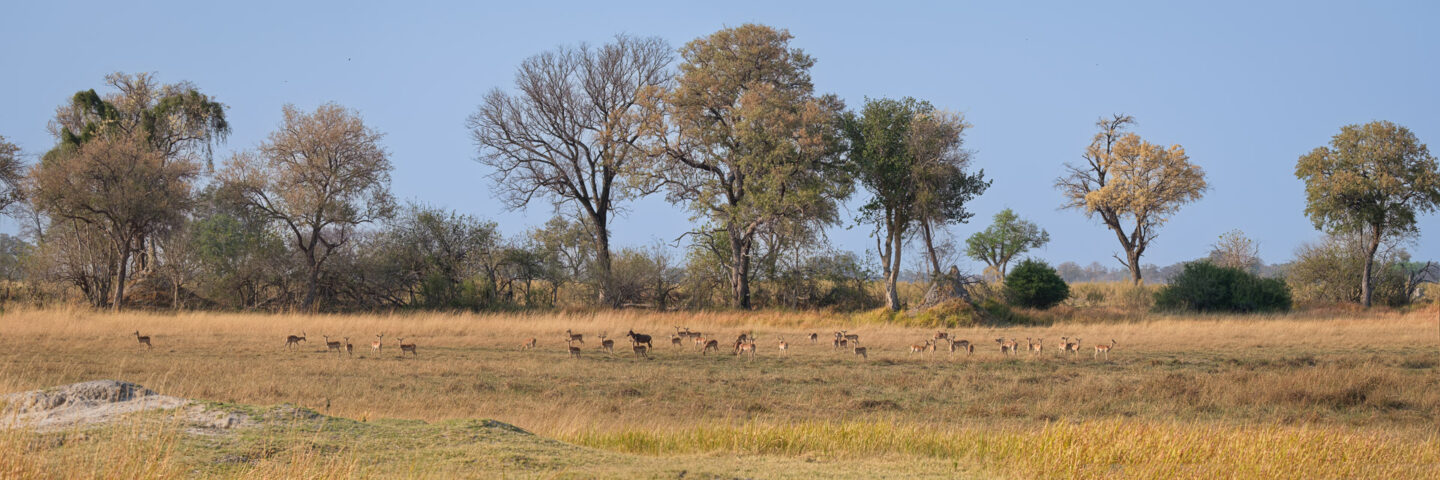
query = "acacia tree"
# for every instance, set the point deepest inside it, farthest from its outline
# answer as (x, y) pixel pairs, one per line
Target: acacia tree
(569, 134)
(11, 174)
(747, 143)
(1004, 239)
(1127, 179)
(319, 176)
(1372, 180)
(118, 184)
(907, 155)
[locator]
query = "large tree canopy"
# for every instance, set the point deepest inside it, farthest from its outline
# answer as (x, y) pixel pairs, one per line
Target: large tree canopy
(746, 142)
(1373, 179)
(1128, 180)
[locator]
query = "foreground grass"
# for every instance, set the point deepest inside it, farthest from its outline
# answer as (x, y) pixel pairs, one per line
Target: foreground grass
(1268, 396)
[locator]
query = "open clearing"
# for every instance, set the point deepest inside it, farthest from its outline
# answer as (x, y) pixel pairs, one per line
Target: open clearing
(1179, 397)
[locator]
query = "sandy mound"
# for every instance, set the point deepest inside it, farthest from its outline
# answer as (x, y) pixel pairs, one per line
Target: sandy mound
(101, 401)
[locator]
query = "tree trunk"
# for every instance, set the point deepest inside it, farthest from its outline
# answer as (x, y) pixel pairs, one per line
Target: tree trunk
(930, 249)
(602, 261)
(1134, 266)
(740, 271)
(312, 289)
(120, 272)
(1365, 278)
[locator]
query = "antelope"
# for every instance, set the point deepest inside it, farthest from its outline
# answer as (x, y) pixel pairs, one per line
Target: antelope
(851, 337)
(1073, 348)
(575, 337)
(607, 345)
(745, 348)
(376, 345)
(1007, 347)
(574, 350)
(329, 345)
(349, 349)
(699, 341)
(406, 347)
(741, 339)
(1103, 348)
(941, 335)
(143, 339)
(920, 348)
(784, 346)
(675, 340)
(711, 344)
(294, 341)
(861, 352)
(814, 338)
(639, 338)
(640, 350)
(962, 345)
(528, 345)
(1037, 345)
(842, 343)
(1064, 344)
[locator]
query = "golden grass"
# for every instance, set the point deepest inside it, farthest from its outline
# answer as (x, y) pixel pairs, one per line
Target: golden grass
(1187, 396)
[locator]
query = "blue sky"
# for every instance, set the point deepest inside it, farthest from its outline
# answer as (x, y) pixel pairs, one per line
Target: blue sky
(1245, 88)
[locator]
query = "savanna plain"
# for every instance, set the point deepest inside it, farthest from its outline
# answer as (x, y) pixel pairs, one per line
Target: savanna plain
(1343, 394)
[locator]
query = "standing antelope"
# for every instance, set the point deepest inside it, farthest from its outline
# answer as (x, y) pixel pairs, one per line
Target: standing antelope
(851, 337)
(745, 348)
(349, 349)
(376, 345)
(1037, 345)
(640, 351)
(607, 344)
(574, 350)
(143, 339)
(329, 345)
(1103, 348)
(814, 338)
(1007, 347)
(1064, 345)
(294, 341)
(784, 346)
(941, 335)
(920, 348)
(675, 340)
(574, 337)
(639, 338)
(1073, 348)
(861, 352)
(962, 345)
(406, 347)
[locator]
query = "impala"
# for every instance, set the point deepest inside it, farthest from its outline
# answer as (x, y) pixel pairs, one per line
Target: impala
(851, 337)
(608, 345)
(745, 348)
(406, 347)
(1007, 347)
(711, 344)
(1103, 348)
(675, 340)
(962, 345)
(349, 349)
(784, 346)
(941, 335)
(1073, 348)
(528, 345)
(294, 341)
(920, 348)
(1037, 345)
(1064, 345)
(377, 344)
(861, 352)
(143, 339)
(574, 350)
(640, 350)
(329, 345)
(814, 338)
(574, 337)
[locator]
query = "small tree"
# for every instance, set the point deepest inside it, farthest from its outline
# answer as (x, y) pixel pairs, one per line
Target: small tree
(1235, 250)
(320, 175)
(1373, 180)
(1003, 240)
(1034, 284)
(1125, 179)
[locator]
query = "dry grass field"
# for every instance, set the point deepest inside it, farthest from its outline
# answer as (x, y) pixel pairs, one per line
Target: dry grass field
(1334, 395)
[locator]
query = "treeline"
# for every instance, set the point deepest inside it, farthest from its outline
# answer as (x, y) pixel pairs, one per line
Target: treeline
(130, 207)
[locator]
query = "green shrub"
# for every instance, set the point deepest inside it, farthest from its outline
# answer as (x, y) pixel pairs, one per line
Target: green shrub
(1034, 284)
(1205, 287)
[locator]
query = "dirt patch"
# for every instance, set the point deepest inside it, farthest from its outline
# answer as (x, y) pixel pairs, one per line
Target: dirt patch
(105, 401)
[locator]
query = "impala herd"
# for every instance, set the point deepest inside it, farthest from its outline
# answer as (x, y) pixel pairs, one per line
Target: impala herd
(745, 343)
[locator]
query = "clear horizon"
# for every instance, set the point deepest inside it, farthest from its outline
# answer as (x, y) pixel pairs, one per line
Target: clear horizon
(1245, 89)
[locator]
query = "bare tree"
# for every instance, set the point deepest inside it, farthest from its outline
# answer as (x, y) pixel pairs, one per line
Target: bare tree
(320, 175)
(1235, 250)
(569, 134)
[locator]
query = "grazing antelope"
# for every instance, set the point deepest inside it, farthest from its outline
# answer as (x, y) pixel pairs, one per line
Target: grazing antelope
(143, 339)
(406, 347)
(962, 345)
(711, 344)
(294, 341)
(639, 338)
(784, 346)
(377, 344)
(814, 338)
(640, 350)
(1007, 347)
(920, 348)
(329, 345)
(1103, 348)
(861, 352)
(528, 345)
(941, 335)
(349, 349)
(574, 337)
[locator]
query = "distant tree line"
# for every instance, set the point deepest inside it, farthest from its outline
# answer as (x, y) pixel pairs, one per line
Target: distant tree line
(129, 207)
